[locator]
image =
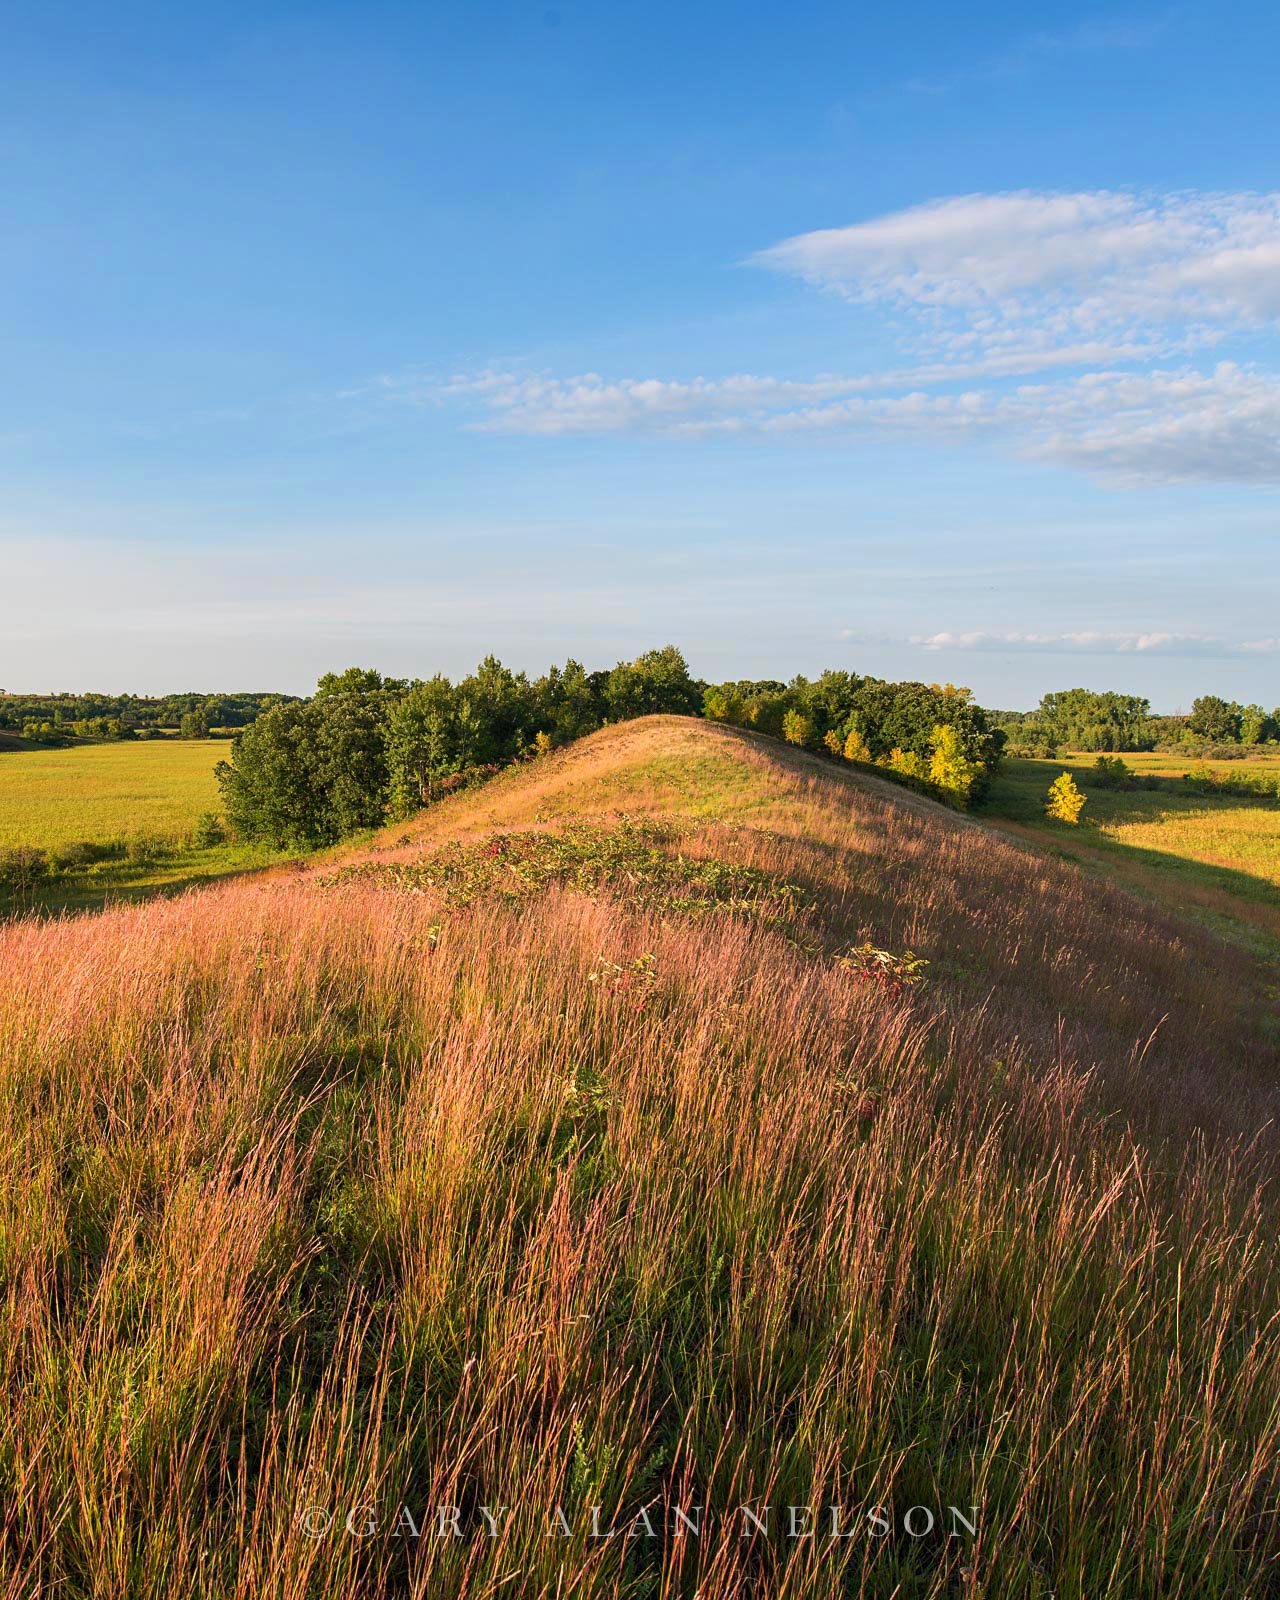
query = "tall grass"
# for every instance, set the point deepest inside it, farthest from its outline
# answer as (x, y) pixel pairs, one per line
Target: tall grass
(324, 1199)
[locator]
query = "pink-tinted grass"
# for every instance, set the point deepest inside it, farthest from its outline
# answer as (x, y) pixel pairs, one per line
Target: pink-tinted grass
(327, 1201)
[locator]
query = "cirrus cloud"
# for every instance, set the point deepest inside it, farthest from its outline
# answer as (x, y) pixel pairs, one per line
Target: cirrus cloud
(1093, 642)
(985, 270)
(1070, 328)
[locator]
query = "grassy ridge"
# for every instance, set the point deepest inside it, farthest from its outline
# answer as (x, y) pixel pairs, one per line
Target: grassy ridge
(573, 1173)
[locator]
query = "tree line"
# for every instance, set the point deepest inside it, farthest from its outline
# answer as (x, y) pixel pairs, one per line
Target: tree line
(1083, 719)
(932, 736)
(366, 749)
(56, 718)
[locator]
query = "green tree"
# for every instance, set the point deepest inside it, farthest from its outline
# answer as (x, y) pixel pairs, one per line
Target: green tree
(1084, 719)
(657, 681)
(355, 680)
(569, 700)
(432, 733)
(503, 706)
(1215, 719)
(307, 774)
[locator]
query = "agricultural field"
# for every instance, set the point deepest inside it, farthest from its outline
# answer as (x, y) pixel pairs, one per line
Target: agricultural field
(105, 791)
(1216, 856)
(1160, 764)
(680, 1121)
(111, 819)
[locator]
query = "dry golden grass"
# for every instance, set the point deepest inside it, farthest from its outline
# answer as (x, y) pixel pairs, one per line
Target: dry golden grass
(320, 1197)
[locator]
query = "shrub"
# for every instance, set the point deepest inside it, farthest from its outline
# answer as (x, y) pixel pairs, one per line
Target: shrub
(79, 853)
(21, 866)
(209, 831)
(908, 763)
(1065, 801)
(883, 969)
(144, 848)
(1111, 772)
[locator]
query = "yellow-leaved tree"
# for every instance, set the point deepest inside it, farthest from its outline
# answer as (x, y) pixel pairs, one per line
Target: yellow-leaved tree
(950, 769)
(1065, 801)
(855, 746)
(908, 762)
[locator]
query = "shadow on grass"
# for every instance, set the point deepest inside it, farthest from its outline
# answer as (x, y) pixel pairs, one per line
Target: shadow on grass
(73, 894)
(1018, 796)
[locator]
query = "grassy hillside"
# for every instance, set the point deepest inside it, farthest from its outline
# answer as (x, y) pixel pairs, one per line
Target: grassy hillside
(100, 791)
(598, 1141)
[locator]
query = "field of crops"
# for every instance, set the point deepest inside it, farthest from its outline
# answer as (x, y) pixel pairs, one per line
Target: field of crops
(105, 791)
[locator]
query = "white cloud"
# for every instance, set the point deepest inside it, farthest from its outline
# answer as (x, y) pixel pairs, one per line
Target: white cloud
(1101, 303)
(1090, 642)
(1164, 425)
(983, 270)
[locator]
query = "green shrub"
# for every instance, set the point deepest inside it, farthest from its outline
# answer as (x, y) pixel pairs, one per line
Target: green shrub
(22, 865)
(144, 848)
(209, 831)
(79, 853)
(1111, 772)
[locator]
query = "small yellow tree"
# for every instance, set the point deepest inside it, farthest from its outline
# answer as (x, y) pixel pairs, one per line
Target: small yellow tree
(1065, 801)
(908, 762)
(950, 768)
(832, 741)
(855, 746)
(795, 728)
(542, 744)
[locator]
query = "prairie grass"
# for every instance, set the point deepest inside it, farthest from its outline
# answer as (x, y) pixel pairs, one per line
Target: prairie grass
(328, 1194)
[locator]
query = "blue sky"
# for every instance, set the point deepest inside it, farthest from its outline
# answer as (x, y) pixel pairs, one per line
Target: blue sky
(923, 340)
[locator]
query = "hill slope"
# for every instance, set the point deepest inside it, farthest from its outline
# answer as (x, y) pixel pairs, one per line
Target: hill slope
(592, 1143)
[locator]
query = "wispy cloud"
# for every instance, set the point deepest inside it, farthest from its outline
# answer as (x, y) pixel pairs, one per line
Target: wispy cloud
(1108, 301)
(987, 270)
(1088, 642)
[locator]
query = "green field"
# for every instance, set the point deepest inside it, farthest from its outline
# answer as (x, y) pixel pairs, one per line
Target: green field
(104, 791)
(1160, 764)
(142, 800)
(1217, 856)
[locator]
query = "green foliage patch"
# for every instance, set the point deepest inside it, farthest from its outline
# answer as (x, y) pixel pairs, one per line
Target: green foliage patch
(639, 858)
